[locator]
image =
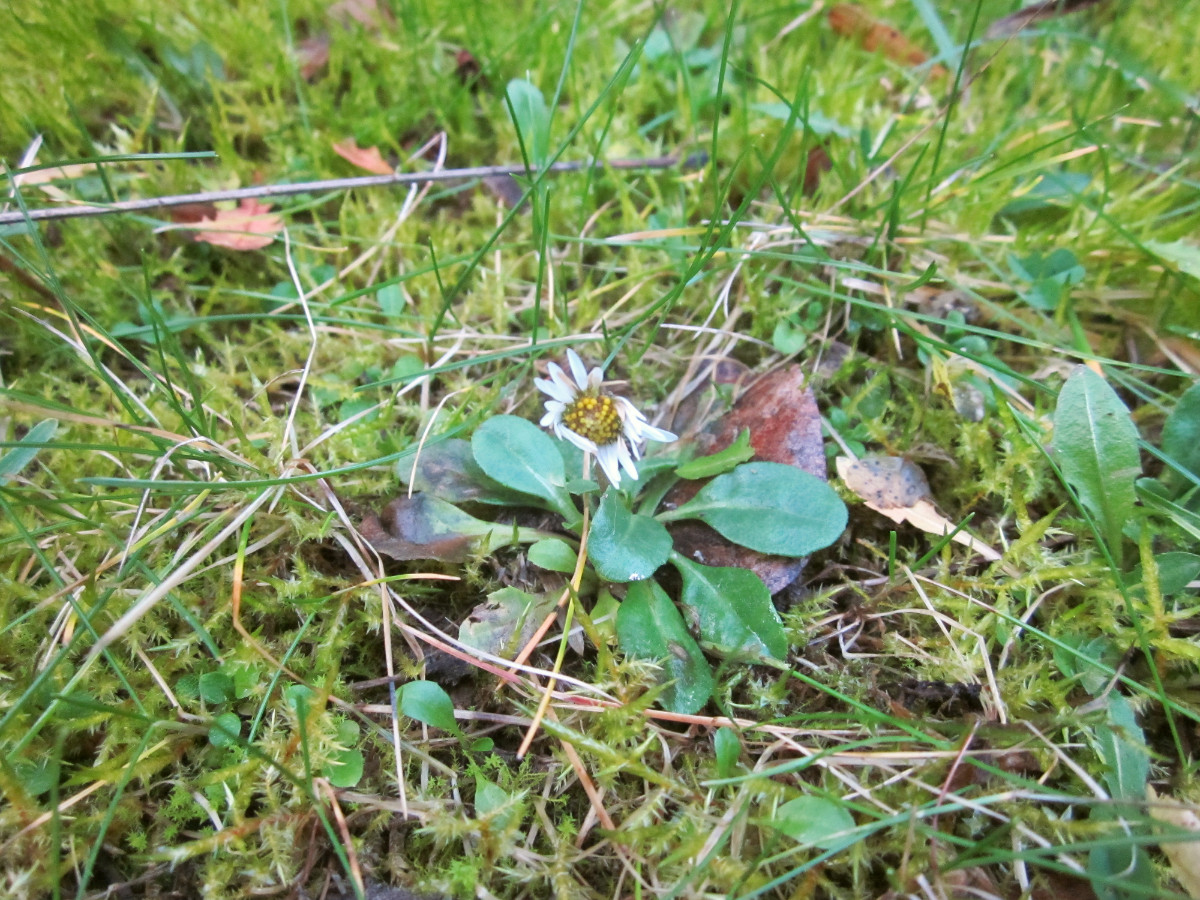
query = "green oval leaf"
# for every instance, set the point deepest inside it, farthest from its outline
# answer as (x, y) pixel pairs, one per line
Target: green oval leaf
(345, 768)
(650, 627)
(428, 702)
(624, 546)
(216, 687)
(814, 821)
(553, 554)
(1181, 432)
(521, 456)
(734, 608)
(727, 748)
(769, 507)
(1096, 444)
(225, 730)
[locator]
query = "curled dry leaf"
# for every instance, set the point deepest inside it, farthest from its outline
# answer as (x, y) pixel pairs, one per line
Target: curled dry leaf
(251, 226)
(785, 427)
(852, 21)
(896, 487)
(1184, 855)
(420, 527)
(368, 158)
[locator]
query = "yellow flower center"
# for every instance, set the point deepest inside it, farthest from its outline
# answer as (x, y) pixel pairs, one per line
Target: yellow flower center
(594, 417)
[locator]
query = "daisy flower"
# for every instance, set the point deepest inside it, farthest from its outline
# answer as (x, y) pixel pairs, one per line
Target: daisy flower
(583, 412)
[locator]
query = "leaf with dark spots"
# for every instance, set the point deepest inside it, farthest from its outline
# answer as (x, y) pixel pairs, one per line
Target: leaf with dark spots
(507, 619)
(785, 427)
(421, 527)
(447, 469)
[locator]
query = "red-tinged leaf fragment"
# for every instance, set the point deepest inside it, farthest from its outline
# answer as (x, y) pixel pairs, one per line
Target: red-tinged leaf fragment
(251, 226)
(313, 55)
(785, 427)
(466, 66)
(815, 166)
(852, 21)
(368, 158)
(1034, 13)
(192, 213)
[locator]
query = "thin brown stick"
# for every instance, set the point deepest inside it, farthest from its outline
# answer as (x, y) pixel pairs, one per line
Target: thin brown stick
(151, 204)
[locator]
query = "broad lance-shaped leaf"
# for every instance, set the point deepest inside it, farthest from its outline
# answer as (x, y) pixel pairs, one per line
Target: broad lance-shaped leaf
(521, 456)
(1096, 444)
(768, 507)
(650, 627)
(734, 608)
(624, 546)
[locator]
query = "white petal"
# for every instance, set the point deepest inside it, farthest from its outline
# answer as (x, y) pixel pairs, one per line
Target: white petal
(626, 459)
(564, 382)
(649, 432)
(587, 445)
(577, 369)
(609, 461)
(559, 392)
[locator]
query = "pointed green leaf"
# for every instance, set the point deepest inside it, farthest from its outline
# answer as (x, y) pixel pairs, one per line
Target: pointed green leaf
(531, 117)
(727, 748)
(12, 462)
(768, 507)
(428, 702)
(1184, 254)
(734, 608)
(650, 627)
(521, 456)
(1096, 443)
(624, 546)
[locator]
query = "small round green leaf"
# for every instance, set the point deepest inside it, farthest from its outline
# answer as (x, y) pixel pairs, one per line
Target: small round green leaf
(216, 687)
(734, 608)
(520, 456)
(769, 507)
(650, 627)
(225, 730)
(624, 546)
(345, 768)
(428, 702)
(814, 821)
